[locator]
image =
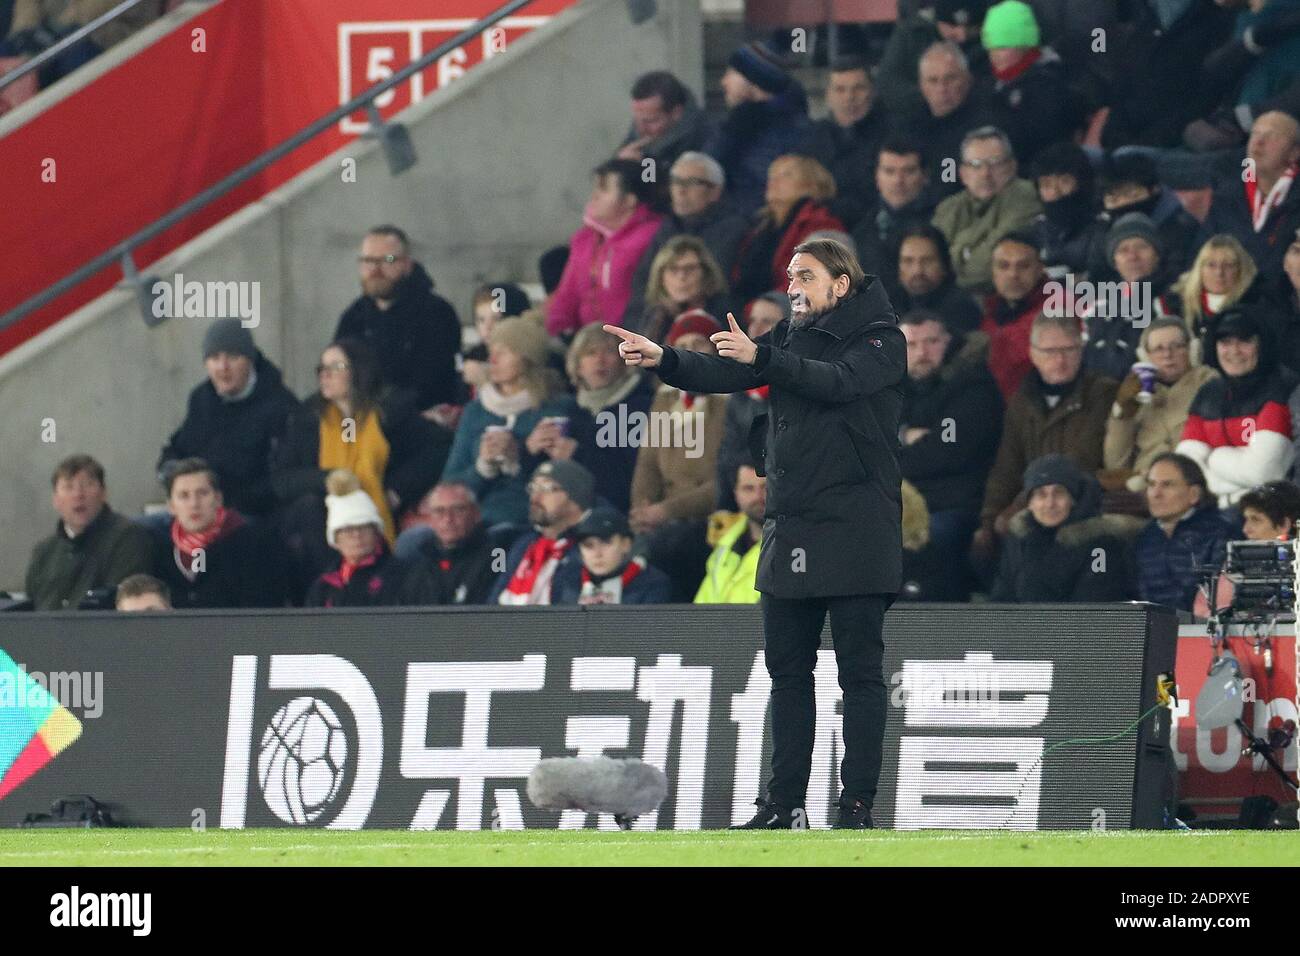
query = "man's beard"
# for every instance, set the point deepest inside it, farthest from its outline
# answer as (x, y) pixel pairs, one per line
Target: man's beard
(813, 313)
(379, 288)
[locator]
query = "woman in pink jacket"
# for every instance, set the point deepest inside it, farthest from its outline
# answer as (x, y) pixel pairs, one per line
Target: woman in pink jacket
(617, 227)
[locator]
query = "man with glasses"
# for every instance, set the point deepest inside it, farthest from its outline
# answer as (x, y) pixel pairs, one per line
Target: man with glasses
(695, 185)
(993, 203)
(1150, 411)
(413, 331)
(455, 542)
(1059, 408)
(559, 494)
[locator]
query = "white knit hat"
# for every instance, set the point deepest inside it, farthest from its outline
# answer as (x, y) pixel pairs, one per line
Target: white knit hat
(348, 505)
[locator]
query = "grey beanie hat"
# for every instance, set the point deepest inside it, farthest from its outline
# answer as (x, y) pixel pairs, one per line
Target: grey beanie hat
(1130, 225)
(228, 335)
(1055, 469)
(578, 483)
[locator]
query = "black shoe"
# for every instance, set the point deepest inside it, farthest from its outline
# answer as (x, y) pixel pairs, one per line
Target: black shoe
(773, 817)
(855, 817)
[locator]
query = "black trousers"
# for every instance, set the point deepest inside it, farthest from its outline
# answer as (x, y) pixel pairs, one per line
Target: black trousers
(792, 629)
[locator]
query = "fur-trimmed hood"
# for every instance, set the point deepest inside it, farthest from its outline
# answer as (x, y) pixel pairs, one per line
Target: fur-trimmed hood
(1074, 534)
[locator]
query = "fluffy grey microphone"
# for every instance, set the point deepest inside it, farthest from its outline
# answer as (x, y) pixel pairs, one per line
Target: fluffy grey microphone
(625, 788)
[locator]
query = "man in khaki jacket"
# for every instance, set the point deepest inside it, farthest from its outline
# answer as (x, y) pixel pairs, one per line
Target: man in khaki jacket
(993, 204)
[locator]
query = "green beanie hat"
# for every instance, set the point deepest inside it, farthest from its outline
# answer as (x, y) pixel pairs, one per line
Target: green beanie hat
(1010, 24)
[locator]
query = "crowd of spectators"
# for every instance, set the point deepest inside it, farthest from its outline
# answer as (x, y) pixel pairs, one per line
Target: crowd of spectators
(1095, 260)
(30, 27)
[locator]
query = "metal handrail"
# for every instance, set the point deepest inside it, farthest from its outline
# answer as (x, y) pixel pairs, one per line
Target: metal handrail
(365, 100)
(36, 62)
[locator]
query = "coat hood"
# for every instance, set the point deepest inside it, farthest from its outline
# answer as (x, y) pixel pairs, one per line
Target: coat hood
(417, 283)
(1087, 507)
(269, 377)
(1085, 524)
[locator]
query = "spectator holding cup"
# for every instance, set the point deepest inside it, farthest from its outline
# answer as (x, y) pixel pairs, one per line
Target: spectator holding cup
(1153, 400)
(514, 423)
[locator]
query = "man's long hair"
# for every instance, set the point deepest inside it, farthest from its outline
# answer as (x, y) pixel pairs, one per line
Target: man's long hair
(838, 260)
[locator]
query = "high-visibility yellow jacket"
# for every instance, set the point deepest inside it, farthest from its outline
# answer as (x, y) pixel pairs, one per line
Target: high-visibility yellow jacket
(729, 578)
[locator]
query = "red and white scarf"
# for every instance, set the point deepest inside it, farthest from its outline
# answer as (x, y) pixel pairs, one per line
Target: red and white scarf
(1261, 206)
(610, 590)
(531, 582)
(188, 545)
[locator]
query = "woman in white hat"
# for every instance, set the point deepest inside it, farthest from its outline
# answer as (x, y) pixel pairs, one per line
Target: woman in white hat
(367, 575)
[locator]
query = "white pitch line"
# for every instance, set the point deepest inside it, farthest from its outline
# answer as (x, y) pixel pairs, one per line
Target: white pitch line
(512, 844)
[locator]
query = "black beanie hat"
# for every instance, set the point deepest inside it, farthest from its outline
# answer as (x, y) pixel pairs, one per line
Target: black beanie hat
(1064, 159)
(759, 64)
(1055, 469)
(514, 300)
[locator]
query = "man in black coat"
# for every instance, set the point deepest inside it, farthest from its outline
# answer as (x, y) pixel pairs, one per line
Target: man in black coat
(413, 330)
(211, 557)
(1263, 212)
(953, 107)
(846, 142)
(926, 280)
(832, 537)
(235, 420)
(951, 424)
(667, 121)
(1158, 90)
(903, 200)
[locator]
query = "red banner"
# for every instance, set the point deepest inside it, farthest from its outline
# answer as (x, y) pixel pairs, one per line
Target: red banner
(1215, 774)
(195, 106)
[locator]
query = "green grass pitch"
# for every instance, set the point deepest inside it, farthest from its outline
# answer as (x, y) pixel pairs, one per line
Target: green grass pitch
(666, 848)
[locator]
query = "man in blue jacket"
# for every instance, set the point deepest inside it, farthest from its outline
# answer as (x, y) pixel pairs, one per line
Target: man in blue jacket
(1186, 536)
(767, 115)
